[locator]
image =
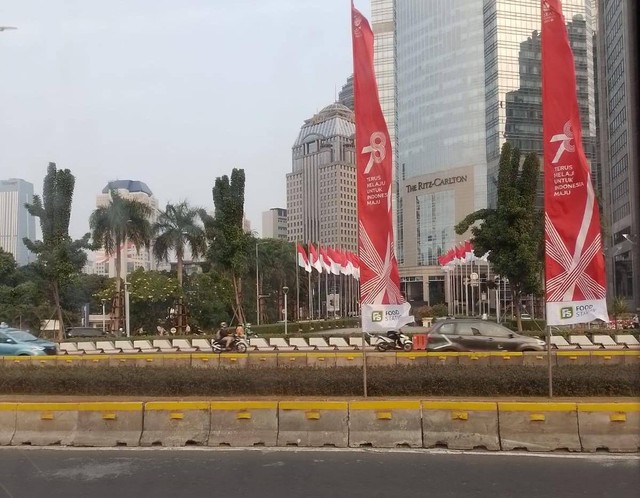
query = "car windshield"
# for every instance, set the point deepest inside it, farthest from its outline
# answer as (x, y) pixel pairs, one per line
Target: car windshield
(20, 335)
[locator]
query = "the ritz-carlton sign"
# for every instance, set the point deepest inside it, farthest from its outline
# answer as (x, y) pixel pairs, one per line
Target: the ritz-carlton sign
(438, 182)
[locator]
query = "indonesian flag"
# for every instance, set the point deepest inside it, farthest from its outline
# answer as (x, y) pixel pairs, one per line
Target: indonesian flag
(345, 267)
(334, 261)
(383, 306)
(355, 262)
(574, 263)
(314, 259)
(469, 256)
(303, 261)
(324, 258)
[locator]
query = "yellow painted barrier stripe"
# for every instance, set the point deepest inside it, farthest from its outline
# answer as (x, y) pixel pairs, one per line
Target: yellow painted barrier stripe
(460, 405)
(313, 405)
(536, 407)
(8, 407)
(509, 354)
(123, 406)
(412, 354)
(233, 356)
(177, 405)
(204, 356)
(608, 353)
(573, 353)
(46, 407)
(452, 354)
(609, 407)
(244, 405)
(384, 405)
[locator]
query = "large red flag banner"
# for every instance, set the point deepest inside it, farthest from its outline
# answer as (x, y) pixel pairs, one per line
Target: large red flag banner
(574, 263)
(383, 307)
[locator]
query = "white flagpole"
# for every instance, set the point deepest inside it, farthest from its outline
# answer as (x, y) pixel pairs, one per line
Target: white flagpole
(295, 249)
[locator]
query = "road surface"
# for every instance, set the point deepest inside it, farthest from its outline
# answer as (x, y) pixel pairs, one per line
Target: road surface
(195, 472)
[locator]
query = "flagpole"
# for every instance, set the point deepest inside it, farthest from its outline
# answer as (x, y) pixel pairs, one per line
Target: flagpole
(549, 364)
(310, 299)
(297, 283)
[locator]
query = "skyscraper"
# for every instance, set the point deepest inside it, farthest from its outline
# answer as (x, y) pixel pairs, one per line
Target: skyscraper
(620, 148)
(321, 189)
(131, 258)
(15, 221)
(274, 224)
(441, 160)
(345, 97)
(513, 84)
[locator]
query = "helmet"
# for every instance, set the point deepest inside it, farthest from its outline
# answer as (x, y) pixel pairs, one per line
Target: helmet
(223, 324)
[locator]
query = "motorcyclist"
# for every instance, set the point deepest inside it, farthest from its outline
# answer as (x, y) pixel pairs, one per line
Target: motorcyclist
(225, 336)
(395, 336)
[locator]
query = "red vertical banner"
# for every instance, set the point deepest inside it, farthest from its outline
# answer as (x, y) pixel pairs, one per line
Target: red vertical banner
(574, 263)
(383, 307)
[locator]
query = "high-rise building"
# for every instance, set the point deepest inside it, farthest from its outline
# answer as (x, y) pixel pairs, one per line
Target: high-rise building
(15, 221)
(513, 81)
(383, 23)
(321, 188)
(468, 79)
(619, 102)
(131, 258)
(441, 160)
(345, 97)
(274, 224)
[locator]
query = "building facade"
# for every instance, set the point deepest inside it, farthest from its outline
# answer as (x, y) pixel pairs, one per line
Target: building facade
(513, 92)
(274, 224)
(15, 221)
(441, 160)
(619, 114)
(345, 97)
(131, 258)
(321, 188)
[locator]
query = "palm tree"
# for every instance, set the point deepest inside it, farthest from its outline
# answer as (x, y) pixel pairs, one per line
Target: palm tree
(177, 228)
(114, 225)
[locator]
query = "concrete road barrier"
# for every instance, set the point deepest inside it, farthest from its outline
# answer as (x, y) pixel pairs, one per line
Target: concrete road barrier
(136, 360)
(244, 423)
(505, 358)
(474, 359)
(632, 358)
(412, 358)
(611, 426)
(257, 360)
(313, 423)
(349, 359)
(573, 358)
(233, 360)
(292, 359)
(321, 360)
(108, 424)
(205, 360)
(539, 426)
(460, 425)
(443, 358)
(7, 423)
(45, 424)
(385, 424)
(607, 357)
(176, 360)
(94, 360)
(44, 361)
(176, 423)
(537, 359)
(386, 359)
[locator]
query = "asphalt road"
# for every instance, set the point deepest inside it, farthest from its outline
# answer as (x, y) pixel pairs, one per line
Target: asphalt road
(68, 473)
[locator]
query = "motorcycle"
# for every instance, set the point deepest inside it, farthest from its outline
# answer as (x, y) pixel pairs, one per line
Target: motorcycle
(392, 341)
(238, 345)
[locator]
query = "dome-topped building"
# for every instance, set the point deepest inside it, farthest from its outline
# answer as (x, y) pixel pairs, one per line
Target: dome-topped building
(321, 189)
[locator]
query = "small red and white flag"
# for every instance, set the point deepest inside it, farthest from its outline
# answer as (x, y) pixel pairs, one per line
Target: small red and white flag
(303, 260)
(314, 258)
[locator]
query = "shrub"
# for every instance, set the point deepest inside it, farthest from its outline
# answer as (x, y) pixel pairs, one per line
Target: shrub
(414, 380)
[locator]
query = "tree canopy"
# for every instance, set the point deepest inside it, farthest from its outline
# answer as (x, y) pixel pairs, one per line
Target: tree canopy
(513, 230)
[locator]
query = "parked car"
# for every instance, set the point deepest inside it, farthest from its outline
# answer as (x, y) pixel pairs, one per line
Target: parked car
(14, 342)
(75, 332)
(478, 335)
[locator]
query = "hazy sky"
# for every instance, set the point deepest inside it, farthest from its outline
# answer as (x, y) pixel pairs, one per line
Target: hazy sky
(170, 92)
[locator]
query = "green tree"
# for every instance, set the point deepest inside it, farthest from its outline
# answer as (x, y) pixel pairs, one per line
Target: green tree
(229, 245)
(617, 308)
(116, 224)
(178, 227)
(59, 257)
(210, 297)
(513, 231)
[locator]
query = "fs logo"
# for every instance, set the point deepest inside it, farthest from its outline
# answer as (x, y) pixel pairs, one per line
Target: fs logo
(566, 313)
(377, 316)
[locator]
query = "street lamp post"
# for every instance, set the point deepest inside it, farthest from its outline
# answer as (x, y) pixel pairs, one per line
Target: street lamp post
(104, 325)
(126, 310)
(285, 289)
